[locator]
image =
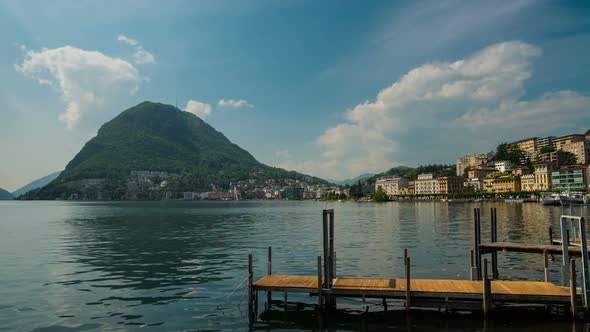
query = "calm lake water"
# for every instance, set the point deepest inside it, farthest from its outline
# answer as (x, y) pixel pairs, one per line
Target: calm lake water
(71, 266)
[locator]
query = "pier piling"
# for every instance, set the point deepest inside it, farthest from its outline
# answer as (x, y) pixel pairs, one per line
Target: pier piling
(408, 284)
(250, 288)
(269, 272)
(487, 290)
(573, 289)
(494, 238)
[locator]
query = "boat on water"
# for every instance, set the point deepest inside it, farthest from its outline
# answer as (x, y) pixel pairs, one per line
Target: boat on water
(550, 199)
(573, 198)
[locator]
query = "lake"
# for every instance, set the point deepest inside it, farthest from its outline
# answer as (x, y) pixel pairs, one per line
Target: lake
(106, 266)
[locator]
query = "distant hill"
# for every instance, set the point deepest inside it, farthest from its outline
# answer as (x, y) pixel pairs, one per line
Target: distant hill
(5, 195)
(41, 182)
(158, 137)
(352, 181)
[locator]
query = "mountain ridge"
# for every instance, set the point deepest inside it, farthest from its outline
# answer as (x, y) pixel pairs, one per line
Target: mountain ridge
(159, 137)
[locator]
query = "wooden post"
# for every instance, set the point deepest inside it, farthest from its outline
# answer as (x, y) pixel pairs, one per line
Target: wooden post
(472, 269)
(269, 272)
(331, 249)
(385, 304)
(550, 235)
(565, 256)
(250, 288)
(334, 265)
(408, 285)
(487, 298)
(573, 290)
(494, 236)
(477, 241)
(326, 248)
(319, 282)
(546, 265)
(285, 301)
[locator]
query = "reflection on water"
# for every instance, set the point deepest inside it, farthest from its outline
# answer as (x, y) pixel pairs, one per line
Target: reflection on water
(182, 265)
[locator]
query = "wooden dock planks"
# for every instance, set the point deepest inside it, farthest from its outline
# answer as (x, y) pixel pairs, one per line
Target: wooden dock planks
(527, 248)
(432, 286)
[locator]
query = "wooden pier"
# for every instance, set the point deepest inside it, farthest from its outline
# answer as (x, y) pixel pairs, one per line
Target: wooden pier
(481, 293)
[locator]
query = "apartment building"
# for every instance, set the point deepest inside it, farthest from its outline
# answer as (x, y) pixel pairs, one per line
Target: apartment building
(503, 165)
(570, 178)
(543, 176)
(391, 185)
(579, 148)
(502, 184)
(470, 160)
(528, 146)
(450, 184)
(559, 141)
(527, 182)
(426, 183)
(480, 172)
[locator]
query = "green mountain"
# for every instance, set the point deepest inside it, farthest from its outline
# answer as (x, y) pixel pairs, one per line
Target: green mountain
(352, 181)
(36, 184)
(5, 195)
(159, 137)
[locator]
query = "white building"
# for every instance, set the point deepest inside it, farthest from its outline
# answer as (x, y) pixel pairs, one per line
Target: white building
(503, 165)
(474, 184)
(426, 183)
(391, 185)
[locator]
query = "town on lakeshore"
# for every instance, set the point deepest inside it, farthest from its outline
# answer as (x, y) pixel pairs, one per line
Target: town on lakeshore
(524, 169)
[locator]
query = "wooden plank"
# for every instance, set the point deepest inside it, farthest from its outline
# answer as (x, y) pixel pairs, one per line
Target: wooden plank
(443, 287)
(527, 248)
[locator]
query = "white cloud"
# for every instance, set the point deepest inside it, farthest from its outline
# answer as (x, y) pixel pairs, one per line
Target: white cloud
(283, 154)
(198, 108)
(86, 80)
(234, 103)
(127, 40)
(441, 110)
(141, 55)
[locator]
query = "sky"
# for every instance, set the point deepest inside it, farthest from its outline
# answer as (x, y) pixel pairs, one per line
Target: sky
(329, 88)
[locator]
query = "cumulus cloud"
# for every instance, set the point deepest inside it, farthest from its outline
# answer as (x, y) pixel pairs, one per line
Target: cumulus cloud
(234, 103)
(198, 108)
(141, 55)
(440, 110)
(86, 80)
(283, 154)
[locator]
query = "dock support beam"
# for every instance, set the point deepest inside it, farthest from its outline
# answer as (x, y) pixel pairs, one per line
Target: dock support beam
(408, 284)
(269, 272)
(329, 264)
(487, 291)
(546, 265)
(565, 239)
(477, 241)
(250, 290)
(494, 235)
(573, 290)
(472, 268)
(320, 283)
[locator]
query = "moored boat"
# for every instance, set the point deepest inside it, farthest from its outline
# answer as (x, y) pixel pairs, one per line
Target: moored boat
(550, 199)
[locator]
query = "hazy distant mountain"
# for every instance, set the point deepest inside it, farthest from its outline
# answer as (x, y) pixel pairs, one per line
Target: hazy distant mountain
(36, 184)
(352, 181)
(158, 137)
(5, 195)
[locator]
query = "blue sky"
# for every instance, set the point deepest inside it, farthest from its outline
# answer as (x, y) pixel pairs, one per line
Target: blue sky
(330, 88)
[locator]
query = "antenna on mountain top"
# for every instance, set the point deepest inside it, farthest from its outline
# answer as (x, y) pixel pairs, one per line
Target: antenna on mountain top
(177, 102)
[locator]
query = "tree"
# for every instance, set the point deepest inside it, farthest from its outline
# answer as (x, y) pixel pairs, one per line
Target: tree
(546, 149)
(356, 190)
(570, 159)
(380, 195)
(466, 172)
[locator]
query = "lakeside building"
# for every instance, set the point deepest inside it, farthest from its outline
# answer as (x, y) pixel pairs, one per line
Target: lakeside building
(502, 165)
(473, 184)
(570, 178)
(560, 141)
(543, 142)
(543, 176)
(426, 183)
(470, 160)
(527, 182)
(502, 184)
(528, 146)
(480, 172)
(556, 158)
(292, 193)
(581, 149)
(391, 185)
(450, 184)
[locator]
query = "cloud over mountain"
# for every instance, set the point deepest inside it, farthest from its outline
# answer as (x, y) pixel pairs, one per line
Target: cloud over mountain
(469, 104)
(86, 80)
